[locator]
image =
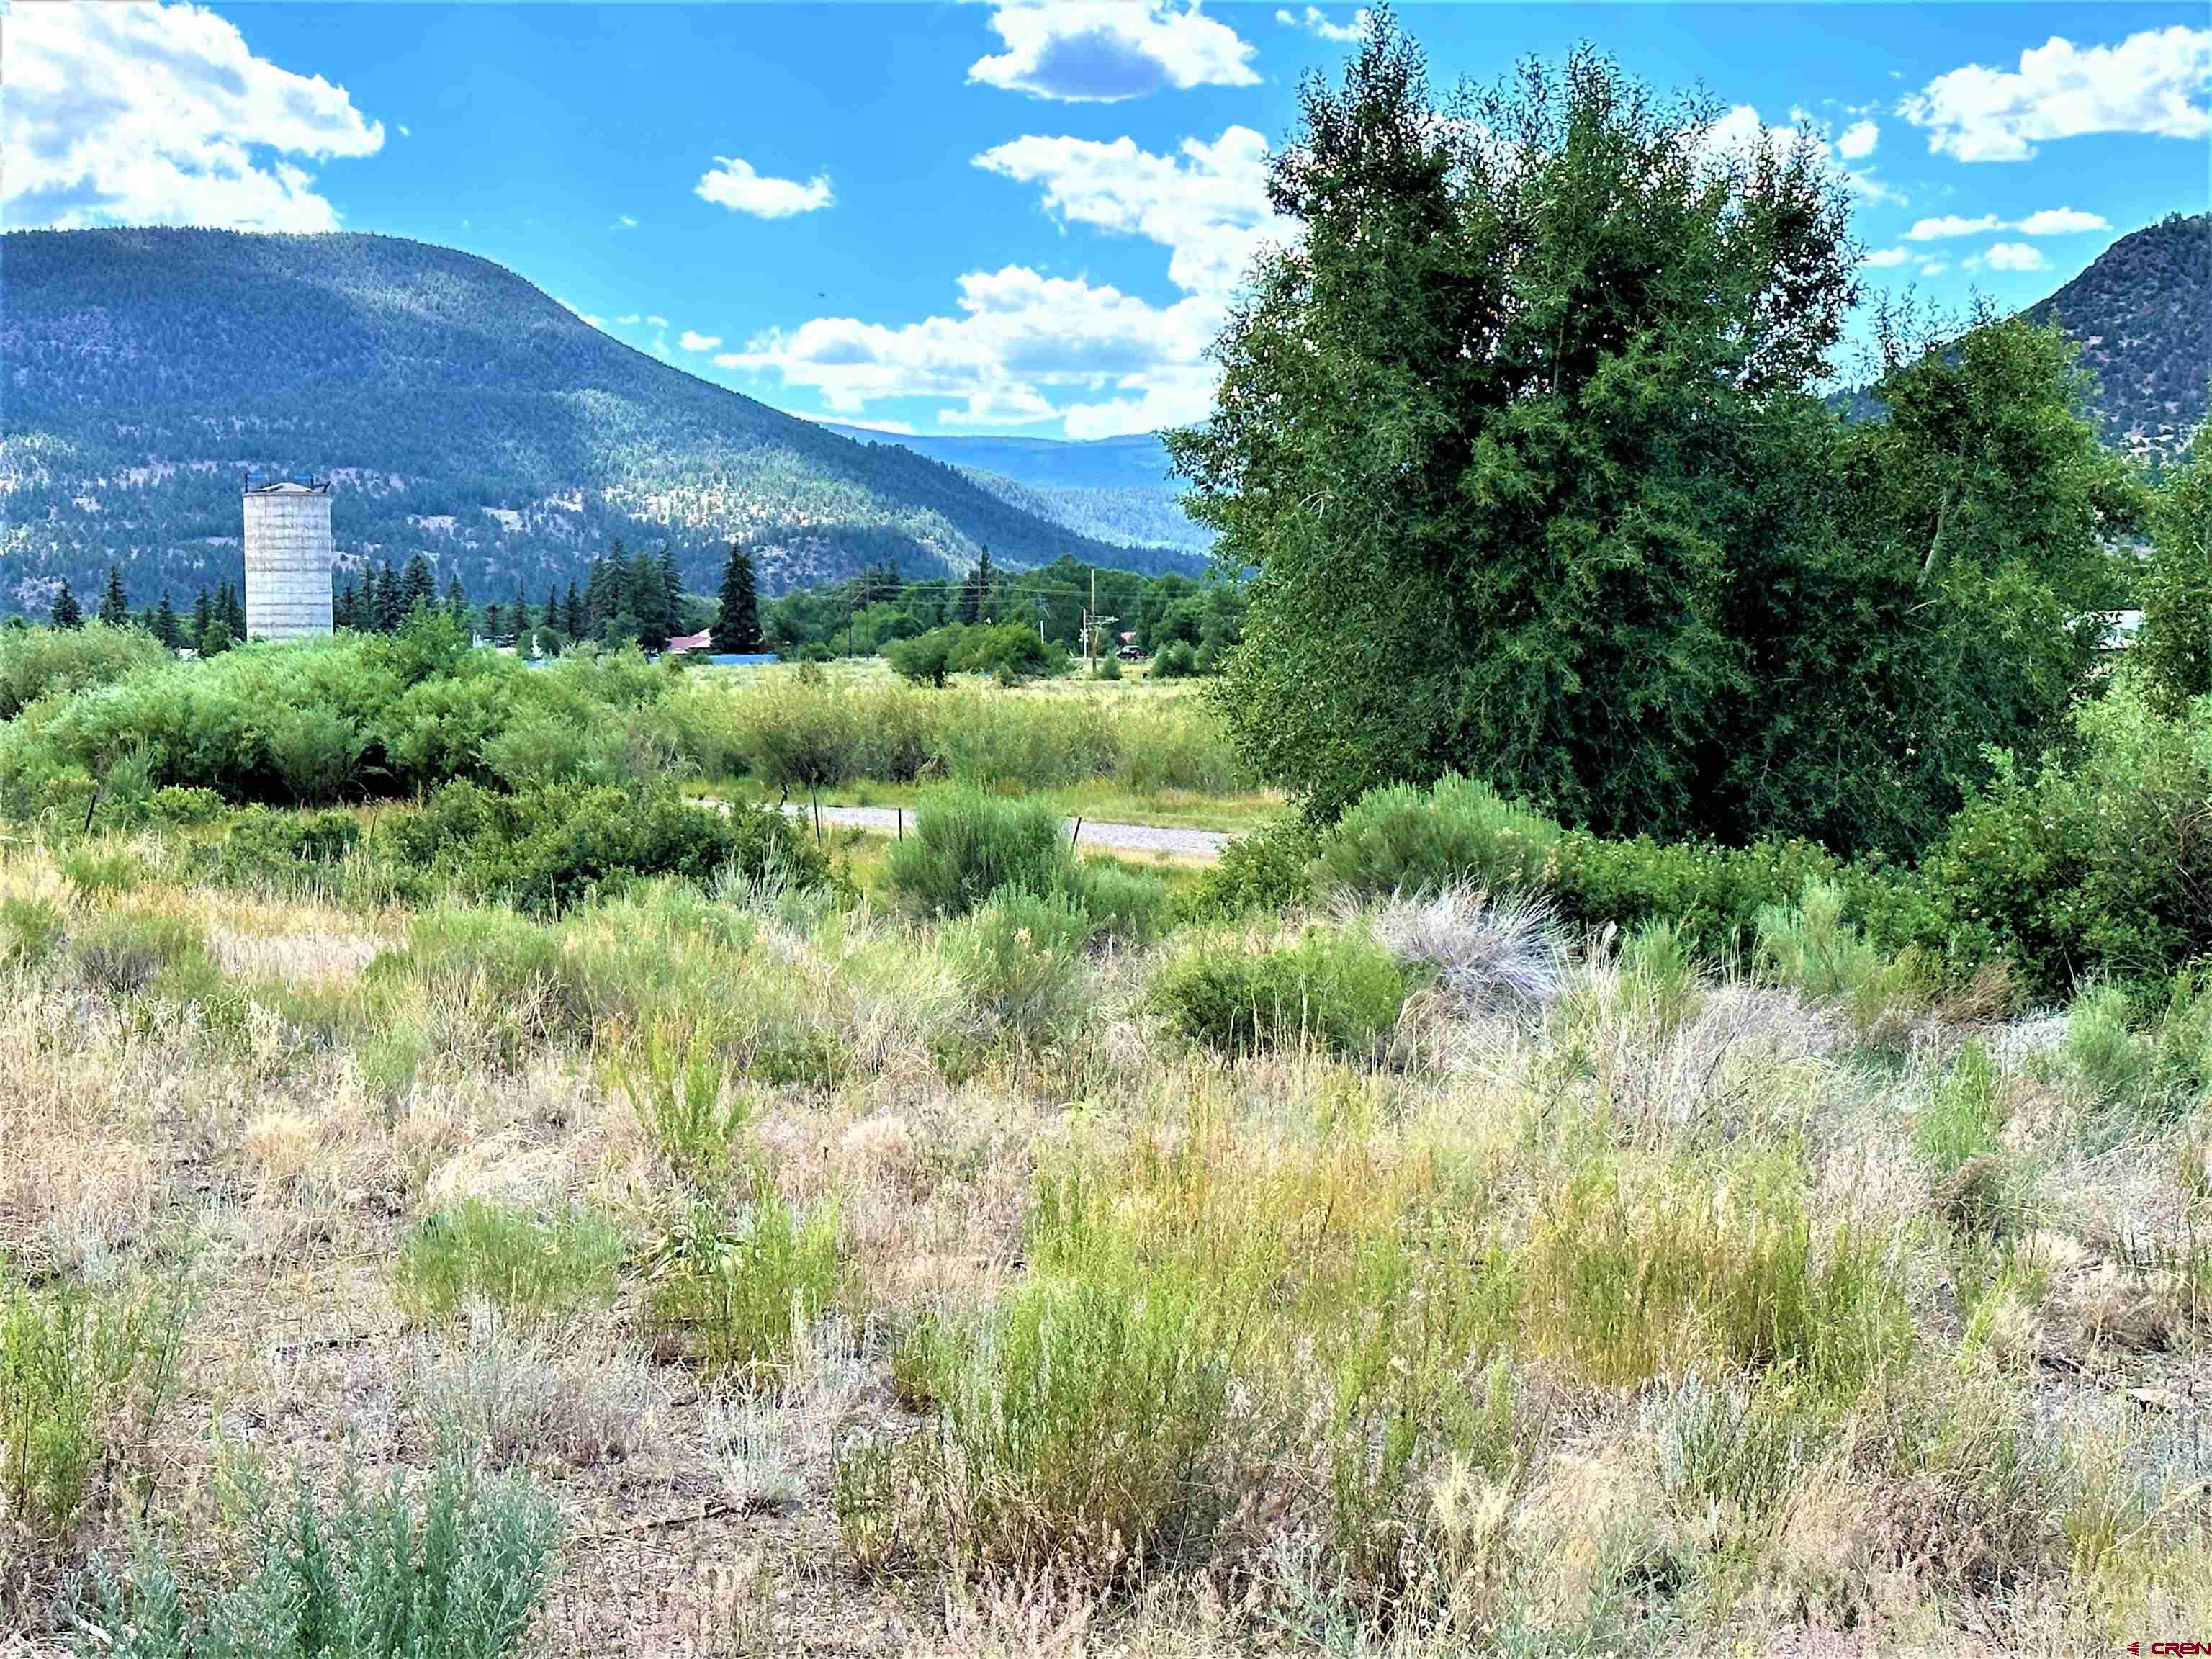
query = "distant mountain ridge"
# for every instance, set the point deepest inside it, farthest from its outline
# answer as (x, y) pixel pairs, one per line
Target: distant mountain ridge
(1117, 489)
(460, 411)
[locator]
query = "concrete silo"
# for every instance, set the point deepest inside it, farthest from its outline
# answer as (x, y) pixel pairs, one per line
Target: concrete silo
(288, 559)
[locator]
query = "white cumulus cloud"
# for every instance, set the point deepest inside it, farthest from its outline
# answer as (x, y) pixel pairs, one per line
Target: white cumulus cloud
(2154, 82)
(1950, 224)
(1886, 258)
(1104, 51)
(2014, 256)
(1856, 141)
(692, 340)
(1315, 21)
(144, 113)
(1020, 346)
(734, 184)
(2061, 222)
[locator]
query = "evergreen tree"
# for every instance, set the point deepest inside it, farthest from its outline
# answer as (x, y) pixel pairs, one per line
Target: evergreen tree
(341, 606)
(672, 584)
(493, 622)
(976, 592)
(165, 622)
(573, 623)
(737, 626)
(67, 612)
(457, 602)
(391, 599)
(600, 600)
(522, 613)
(216, 638)
(114, 605)
(417, 586)
(202, 612)
(233, 611)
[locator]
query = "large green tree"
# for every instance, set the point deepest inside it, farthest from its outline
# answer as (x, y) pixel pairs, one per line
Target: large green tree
(2176, 647)
(737, 625)
(1520, 433)
(1488, 429)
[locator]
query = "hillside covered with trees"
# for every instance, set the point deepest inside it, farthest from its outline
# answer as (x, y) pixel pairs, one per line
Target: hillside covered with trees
(2141, 313)
(461, 414)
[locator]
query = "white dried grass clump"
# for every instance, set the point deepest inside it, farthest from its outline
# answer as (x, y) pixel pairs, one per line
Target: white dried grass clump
(515, 1392)
(1489, 955)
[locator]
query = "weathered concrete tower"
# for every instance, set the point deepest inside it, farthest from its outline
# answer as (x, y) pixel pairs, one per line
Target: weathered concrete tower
(288, 559)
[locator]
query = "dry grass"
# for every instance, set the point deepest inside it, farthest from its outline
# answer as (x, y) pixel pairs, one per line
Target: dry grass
(1634, 1310)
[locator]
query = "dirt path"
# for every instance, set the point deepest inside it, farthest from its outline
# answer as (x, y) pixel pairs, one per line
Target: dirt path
(1203, 844)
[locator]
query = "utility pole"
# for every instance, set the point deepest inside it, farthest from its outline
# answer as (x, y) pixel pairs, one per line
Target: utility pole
(1091, 624)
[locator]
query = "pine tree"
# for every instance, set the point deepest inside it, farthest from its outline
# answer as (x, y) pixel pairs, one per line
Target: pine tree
(232, 611)
(215, 638)
(457, 602)
(114, 604)
(736, 628)
(600, 599)
(522, 620)
(67, 612)
(165, 622)
(975, 593)
(417, 586)
(389, 610)
(491, 621)
(572, 621)
(341, 606)
(201, 611)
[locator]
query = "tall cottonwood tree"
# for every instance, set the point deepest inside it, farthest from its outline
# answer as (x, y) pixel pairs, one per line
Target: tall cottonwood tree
(1485, 429)
(1520, 433)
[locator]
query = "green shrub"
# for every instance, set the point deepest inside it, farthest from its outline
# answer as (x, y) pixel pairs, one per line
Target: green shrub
(288, 851)
(128, 954)
(39, 662)
(2098, 867)
(966, 845)
(30, 931)
(1017, 956)
(1177, 749)
(454, 1571)
(179, 805)
(997, 742)
(1269, 869)
(84, 1376)
(678, 1097)
(1132, 907)
(925, 658)
(1175, 661)
(95, 869)
(2156, 1064)
(1108, 668)
(316, 751)
(547, 849)
(527, 1265)
(1341, 991)
(802, 736)
(510, 975)
(733, 1286)
(1420, 841)
(1080, 1414)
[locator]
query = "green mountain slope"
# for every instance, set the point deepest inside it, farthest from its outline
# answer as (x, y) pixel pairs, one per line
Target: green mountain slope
(460, 412)
(2143, 313)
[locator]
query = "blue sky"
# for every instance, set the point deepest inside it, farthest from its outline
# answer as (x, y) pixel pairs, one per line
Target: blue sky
(981, 217)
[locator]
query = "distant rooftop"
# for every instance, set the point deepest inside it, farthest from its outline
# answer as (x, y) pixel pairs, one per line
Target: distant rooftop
(292, 483)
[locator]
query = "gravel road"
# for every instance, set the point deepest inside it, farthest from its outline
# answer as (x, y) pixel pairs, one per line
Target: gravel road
(1205, 844)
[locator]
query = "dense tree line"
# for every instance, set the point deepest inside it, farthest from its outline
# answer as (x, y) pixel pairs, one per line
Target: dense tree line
(1523, 438)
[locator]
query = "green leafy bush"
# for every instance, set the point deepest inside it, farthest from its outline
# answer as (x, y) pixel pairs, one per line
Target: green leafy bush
(454, 1571)
(732, 1285)
(1016, 955)
(1407, 839)
(84, 1374)
(1175, 661)
(545, 849)
(966, 845)
(527, 1265)
(39, 662)
(2097, 866)
(1269, 869)
(127, 953)
(30, 930)
(1339, 990)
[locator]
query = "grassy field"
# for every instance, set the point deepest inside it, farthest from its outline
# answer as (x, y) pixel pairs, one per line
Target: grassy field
(1143, 751)
(737, 1269)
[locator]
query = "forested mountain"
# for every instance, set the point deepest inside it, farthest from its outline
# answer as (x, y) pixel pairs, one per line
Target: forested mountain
(460, 412)
(1115, 489)
(2143, 313)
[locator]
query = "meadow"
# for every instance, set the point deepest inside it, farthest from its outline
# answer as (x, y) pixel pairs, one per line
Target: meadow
(460, 1194)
